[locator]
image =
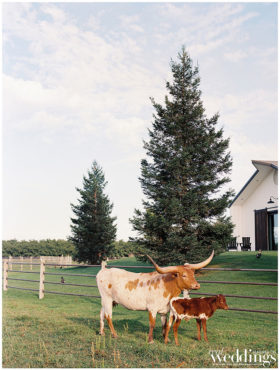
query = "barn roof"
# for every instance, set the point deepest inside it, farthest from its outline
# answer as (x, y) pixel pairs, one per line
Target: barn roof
(256, 178)
(273, 164)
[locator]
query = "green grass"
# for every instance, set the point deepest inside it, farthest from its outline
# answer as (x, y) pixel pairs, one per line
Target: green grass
(62, 331)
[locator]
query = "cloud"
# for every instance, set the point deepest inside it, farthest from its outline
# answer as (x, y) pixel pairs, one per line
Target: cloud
(93, 23)
(204, 33)
(74, 77)
(247, 109)
(235, 56)
(69, 77)
(248, 120)
(41, 109)
(131, 23)
(57, 14)
(244, 150)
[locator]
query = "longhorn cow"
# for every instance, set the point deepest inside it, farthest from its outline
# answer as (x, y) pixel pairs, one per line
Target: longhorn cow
(150, 292)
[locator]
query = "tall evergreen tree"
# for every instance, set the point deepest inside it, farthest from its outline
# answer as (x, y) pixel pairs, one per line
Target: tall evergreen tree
(183, 217)
(93, 229)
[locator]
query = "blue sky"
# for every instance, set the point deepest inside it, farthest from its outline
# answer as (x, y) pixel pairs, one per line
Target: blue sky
(77, 78)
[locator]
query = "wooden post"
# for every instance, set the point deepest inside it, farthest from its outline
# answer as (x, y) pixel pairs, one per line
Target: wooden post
(21, 259)
(31, 260)
(10, 263)
(5, 283)
(42, 279)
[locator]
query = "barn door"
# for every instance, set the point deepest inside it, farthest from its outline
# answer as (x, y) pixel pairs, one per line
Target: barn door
(261, 234)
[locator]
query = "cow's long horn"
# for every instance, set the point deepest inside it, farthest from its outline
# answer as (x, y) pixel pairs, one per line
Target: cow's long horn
(163, 270)
(197, 266)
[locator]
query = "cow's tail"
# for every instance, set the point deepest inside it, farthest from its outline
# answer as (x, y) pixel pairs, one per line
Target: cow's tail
(171, 306)
(103, 265)
(172, 310)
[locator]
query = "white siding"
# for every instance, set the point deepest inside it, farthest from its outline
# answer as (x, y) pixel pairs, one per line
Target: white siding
(243, 215)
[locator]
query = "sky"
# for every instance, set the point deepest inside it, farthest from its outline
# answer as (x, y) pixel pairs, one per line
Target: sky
(77, 81)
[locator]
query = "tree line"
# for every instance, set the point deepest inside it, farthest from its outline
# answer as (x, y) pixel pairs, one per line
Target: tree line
(57, 247)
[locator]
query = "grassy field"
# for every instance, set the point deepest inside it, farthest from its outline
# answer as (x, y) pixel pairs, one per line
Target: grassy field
(62, 331)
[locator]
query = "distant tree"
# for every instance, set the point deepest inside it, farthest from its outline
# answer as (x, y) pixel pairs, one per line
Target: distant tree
(93, 228)
(189, 163)
(35, 248)
(122, 249)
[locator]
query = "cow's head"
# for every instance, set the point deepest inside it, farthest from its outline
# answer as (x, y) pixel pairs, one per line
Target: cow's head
(184, 274)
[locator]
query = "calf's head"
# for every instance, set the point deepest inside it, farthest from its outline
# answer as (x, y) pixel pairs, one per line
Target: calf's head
(184, 274)
(221, 302)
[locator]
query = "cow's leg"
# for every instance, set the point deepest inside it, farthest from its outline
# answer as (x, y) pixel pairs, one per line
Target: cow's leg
(111, 326)
(152, 322)
(204, 329)
(102, 321)
(108, 316)
(168, 326)
(175, 330)
(163, 319)
(198, 324)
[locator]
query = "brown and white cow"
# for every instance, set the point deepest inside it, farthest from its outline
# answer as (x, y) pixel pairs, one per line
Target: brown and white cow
(150, 292)
(200, 309)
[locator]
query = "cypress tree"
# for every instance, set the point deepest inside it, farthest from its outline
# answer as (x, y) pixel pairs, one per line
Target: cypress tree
(187, 164)
(93, 229)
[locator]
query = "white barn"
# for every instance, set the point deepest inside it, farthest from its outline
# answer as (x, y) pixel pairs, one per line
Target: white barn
(254, 210)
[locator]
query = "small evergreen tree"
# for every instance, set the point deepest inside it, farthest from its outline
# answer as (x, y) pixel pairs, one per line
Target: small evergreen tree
(183, 217)
(93, 229)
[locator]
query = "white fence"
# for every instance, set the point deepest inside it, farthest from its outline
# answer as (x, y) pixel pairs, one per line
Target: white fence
(58, 260)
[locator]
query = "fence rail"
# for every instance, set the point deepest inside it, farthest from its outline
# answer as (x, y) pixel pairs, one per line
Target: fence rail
(53, 273)
(238, 296)
(8, 268)
(50, 259)
(15, 287)
(259, 311)
(74, 294)
(236, 282)
(69, 284)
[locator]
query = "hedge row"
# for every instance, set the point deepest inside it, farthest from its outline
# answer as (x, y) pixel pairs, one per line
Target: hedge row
(53, 247)
(35, 248)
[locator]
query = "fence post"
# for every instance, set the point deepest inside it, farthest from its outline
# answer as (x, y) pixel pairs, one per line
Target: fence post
(42, 279)
(21, 259)
(31, 260)
(5, 283)
(10, 263)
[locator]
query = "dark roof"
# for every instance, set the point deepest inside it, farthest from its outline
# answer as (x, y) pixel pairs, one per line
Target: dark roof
(273, 164)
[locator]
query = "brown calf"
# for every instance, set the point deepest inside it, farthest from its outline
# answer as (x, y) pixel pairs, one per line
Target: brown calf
(200, 309)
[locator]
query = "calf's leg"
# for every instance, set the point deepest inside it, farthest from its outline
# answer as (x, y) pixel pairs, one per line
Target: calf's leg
(198, 324)
(175, 330)
(204, 329)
